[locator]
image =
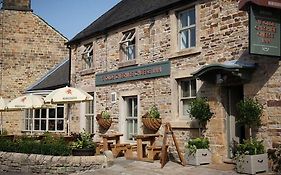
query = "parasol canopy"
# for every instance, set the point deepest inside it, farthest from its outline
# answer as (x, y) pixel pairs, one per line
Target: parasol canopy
(68, 95)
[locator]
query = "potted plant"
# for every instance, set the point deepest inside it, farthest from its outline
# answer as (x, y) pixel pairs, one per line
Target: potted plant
(104, 119)
(250, 155)
(151, 119)
(197, 151)
(84, 145)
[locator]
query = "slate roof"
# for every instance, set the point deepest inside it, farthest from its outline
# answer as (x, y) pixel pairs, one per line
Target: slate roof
(126, 11)
(56, 78)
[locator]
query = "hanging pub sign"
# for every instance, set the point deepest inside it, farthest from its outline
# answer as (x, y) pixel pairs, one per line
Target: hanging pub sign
(264, 31)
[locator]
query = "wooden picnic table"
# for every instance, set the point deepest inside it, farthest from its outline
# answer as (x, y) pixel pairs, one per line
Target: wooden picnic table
(111, 136)
(150, 138)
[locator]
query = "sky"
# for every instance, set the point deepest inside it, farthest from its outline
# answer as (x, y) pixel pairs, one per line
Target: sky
(70, 17)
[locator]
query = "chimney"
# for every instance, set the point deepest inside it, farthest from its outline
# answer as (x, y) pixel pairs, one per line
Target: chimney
(20, 5)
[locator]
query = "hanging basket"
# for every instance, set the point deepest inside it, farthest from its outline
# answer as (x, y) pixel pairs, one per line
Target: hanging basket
(151, 123)
(104, 123)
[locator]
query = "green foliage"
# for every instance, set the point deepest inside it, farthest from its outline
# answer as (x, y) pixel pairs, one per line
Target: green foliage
(249, 147)
(200, 110)
(85, 141)
(249, 113)
(275, 156)
(105, 114)
(197, 143)
(153, 112)
(49, 145)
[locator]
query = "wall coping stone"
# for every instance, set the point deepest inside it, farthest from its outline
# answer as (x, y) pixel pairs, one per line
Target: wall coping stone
(35, 163)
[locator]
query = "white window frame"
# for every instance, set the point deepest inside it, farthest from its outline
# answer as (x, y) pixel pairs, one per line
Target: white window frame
(188, 98)
(187, 28)
(90, 115)
(128, 44)
(29, 119)
(87, 56)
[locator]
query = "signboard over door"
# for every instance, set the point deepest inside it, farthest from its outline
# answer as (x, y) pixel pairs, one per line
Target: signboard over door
(265, 31)
(154, 70)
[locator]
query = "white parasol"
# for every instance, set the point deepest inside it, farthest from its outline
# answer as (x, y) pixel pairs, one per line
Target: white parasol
(68, 95)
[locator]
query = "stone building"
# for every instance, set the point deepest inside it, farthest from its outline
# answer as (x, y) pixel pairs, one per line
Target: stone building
(166, 53)
(30, 48)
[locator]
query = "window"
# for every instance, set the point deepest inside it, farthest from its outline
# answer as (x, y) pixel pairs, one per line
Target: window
(127, 45)
(187, 91)
(187, 28)
(87, 57)
(49, 119)
(89, 114)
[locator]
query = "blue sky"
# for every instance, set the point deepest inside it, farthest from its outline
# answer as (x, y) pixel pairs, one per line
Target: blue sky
(70, 17)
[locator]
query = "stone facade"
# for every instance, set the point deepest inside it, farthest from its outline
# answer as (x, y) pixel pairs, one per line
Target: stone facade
(221, 35)
(29, 49)
(44, 164)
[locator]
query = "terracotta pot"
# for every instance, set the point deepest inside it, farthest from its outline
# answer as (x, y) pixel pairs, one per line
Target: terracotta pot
(104, 123)
(152, 123)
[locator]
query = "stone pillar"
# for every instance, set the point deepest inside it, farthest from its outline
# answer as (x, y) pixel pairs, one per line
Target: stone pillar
(21, 5)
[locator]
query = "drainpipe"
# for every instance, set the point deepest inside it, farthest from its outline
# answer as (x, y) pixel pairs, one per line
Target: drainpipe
(69, 84)
(69, 75)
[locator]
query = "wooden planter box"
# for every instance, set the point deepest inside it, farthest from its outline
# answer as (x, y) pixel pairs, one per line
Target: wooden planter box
(201, 156)
(104, 123)
(83, 152)
(252, 164)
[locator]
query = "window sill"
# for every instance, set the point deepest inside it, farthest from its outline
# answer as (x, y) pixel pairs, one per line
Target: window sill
(127, 63)
(184, 124)
(186, 52)
(87, 71)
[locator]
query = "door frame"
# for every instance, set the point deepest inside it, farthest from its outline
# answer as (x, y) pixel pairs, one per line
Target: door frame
(122, 116)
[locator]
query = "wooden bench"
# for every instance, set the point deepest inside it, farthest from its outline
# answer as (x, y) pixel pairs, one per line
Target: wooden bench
(118, 149)
(99, 147)
(153, 152)
(129, 151)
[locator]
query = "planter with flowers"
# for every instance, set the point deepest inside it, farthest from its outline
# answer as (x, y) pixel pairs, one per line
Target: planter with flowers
(250, 156)
(104, 119)
(197, 150)
(84, 145)
(151, 119)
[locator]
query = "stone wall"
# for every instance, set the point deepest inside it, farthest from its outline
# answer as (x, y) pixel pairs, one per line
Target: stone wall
(29, 49)
(43, 164)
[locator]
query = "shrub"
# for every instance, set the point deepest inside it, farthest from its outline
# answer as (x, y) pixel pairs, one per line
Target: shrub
(249, 113)
(200, 110)
(249, 147)
(105, 114)
(84, 141)
(49, 145)
(197, 143)
(275, 156)
(153, 112)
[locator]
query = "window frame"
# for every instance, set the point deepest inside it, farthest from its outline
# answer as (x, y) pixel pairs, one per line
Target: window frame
(187, 28)
(90, 115)
(29, 119)
(88, 56)
(128, 41)
(181, 99)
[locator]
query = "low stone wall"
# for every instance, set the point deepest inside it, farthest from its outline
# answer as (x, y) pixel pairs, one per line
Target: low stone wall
(44, 164)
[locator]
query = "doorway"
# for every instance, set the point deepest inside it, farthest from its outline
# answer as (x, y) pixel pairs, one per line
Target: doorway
(131, 117)
(235, 133)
